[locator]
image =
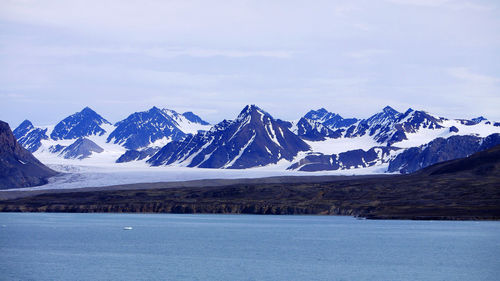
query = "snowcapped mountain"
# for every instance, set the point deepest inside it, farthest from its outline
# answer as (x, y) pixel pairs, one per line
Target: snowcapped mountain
(439, 150)
(193, 118)
(29, 136)
(79, 136)
(351, 159)
(81, 149)
(253, 139)
(81, 124)
(320, 124)
(142, 129)
(385, 135)
(381, 127)
(387, 127)
(137, 155)
(87, 135)
(319, 141)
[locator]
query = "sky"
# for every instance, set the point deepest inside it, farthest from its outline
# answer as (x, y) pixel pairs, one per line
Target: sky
(214, 57)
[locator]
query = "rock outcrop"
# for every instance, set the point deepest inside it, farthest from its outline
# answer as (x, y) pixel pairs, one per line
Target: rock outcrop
(18, 167)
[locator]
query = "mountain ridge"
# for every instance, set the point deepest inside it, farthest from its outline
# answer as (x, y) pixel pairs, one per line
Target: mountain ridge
(318, 141)
(254, 138)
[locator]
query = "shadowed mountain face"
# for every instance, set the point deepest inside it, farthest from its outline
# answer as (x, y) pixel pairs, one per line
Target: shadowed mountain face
(18, 168)
(81, 124)
(320, 124)
(484, 163)
(345, 160)
(133, 155)
(30, 137)
(194, 118)
(440, 150)
(80, 149)
(386, 127)
(141, 128)
(391, 126)
(254, 139)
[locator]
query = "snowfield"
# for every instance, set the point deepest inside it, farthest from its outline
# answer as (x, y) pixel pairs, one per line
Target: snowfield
(336, 146)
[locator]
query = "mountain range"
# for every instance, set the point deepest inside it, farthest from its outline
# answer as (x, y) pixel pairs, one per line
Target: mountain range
(388, 141)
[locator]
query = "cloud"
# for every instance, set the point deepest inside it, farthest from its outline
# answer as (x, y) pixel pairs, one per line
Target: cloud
(465, 74)
(288, 56)
(450, 4)
(363, 54)
(155, 52)
(427, 3)
(185, 21)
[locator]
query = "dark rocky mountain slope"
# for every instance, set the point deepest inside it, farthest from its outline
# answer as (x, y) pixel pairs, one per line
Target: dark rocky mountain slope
(142, 128)
(194, 118)
(18, 167)
(81, 124)
(319, 124)
(345, 160)
(440, 150)
(81, 149)
(254, 139)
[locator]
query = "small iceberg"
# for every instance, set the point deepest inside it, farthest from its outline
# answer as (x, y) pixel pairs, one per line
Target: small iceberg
(128, 228)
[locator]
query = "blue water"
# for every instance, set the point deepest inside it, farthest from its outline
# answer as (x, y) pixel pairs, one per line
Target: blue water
(239, 247)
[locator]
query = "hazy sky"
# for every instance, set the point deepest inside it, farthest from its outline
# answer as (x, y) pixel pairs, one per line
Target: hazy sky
(213, 57)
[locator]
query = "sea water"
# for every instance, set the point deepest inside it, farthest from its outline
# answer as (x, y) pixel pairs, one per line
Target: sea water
(39, 246)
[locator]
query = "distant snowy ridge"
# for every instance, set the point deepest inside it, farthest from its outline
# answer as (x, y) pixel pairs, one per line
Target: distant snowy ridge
(93, 139)
(320, 140)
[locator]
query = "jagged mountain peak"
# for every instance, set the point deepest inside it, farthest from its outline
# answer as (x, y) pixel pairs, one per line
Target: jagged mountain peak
(409, 110)
(478, 120)
(323, 115)
(170, 112)
(253, 139)
(23, 128)
(80, 124)
(194, 118)
(151, 111)
(88, 112)
(26, 124)
(81, 149)
(140, 129)
(29, 136)
(316, 114)
(154, 109)
(251, 110)
(389, 110)
(386, 116)
(320, 124)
